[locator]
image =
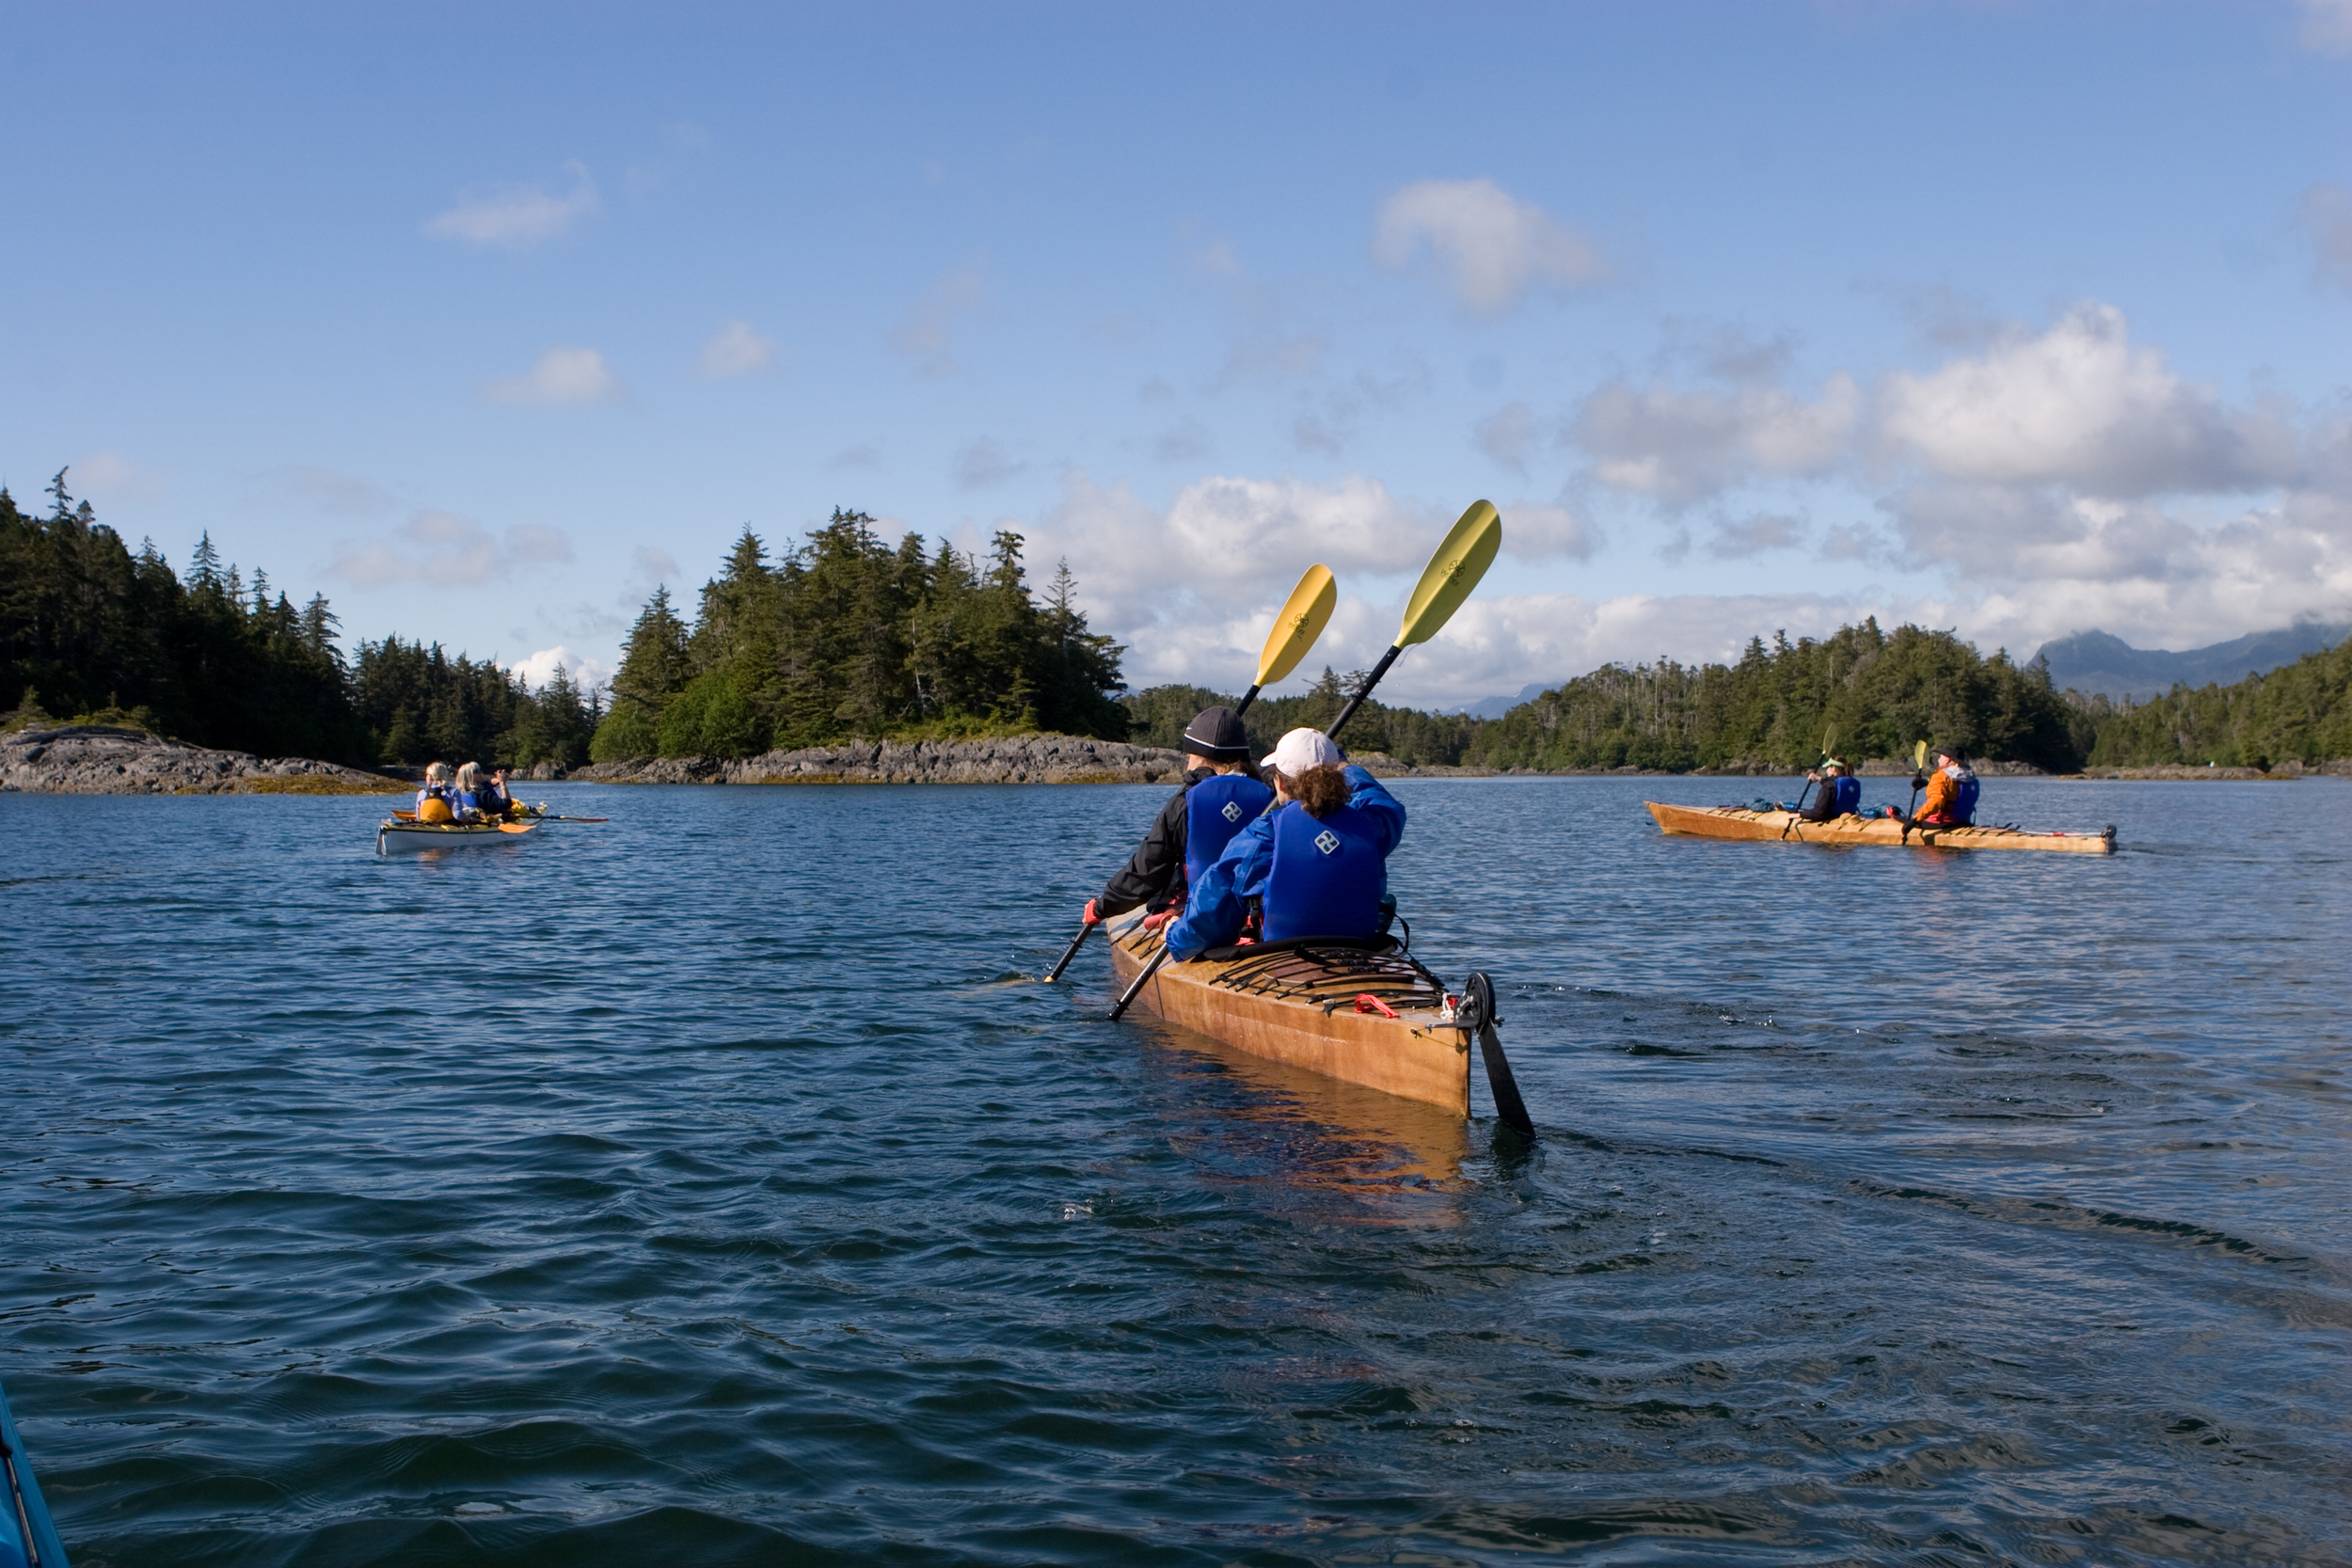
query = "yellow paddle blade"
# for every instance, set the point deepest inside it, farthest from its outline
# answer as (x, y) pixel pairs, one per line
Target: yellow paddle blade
(1919, 757)
(1829, 740)
(516, 827)
(1452, 572)
(1297, 624)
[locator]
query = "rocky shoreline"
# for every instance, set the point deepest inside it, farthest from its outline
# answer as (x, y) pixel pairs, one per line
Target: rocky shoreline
(100, 759)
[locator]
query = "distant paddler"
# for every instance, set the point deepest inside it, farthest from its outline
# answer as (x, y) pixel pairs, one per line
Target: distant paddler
(1222, 791)
(434, 801)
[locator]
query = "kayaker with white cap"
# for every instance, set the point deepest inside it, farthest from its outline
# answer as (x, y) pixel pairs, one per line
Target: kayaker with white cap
(1317, 864)
(1222, 794)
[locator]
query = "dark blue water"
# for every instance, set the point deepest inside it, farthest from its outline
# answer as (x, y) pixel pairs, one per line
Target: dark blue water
(713, 1186)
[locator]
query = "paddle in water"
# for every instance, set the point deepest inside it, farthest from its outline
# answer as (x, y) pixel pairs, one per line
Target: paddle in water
(1919, 770)
(1296, 626)
(1449, 578)
(1829, 739)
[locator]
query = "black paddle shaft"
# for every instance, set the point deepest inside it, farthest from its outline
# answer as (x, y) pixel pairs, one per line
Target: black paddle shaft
(1135, 990)
(1364, 691)
(1247, 698)
(1075, 942)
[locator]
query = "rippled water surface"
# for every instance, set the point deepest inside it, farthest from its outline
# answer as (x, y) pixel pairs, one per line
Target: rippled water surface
(717, 1185)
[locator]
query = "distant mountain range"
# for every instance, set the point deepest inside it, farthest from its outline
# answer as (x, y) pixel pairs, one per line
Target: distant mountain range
(2093, 662)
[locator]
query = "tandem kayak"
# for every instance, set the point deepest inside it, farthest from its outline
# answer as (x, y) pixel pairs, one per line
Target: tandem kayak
(1364, 1012)
(27, 1539)
(1787, 827)
(396, 837)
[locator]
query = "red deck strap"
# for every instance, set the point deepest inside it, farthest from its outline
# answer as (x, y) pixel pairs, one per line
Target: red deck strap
(1367, 1002)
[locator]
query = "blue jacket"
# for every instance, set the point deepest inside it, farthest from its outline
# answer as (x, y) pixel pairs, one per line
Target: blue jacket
(1219, 900)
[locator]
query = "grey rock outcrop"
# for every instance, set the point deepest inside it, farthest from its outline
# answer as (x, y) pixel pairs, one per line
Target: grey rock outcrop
(100, 759)
(1016, 759)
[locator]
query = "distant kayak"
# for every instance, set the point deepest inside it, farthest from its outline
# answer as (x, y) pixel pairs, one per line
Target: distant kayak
(1787, 827)
(27, 1539)
(398, 837)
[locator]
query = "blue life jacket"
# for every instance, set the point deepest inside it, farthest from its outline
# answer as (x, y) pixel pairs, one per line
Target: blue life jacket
(1214, 810)
(1326, 877)
(1964, 807)
(1847, 797)
(461, 802)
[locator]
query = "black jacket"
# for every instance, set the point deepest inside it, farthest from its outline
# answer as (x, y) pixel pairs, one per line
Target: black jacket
(1822, 804)
(1155, 875)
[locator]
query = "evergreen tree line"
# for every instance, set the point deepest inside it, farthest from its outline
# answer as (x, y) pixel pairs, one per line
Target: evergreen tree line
(91, 630)
(847, 636)
(1880, 694)
(2300, 712)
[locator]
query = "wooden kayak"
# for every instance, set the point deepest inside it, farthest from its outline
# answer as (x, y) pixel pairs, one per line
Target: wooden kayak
(28, 1537)
(396, 837)
(1363, 1012)
(1787, 826)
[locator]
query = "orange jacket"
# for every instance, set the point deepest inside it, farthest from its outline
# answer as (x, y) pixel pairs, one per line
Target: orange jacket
(1942, 801)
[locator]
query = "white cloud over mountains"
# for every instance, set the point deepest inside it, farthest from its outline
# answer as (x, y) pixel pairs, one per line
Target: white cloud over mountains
(561, 375)
(2080, 405)
(1678, 446)
(2055, 479)
(1491, 247)
(444, 550)
(585, 673)
(519, 218)
(736, 349)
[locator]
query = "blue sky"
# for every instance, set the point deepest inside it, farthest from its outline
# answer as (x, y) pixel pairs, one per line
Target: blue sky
(484, 319)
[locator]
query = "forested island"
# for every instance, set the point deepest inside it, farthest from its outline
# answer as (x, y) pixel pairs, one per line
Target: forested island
(847, 637)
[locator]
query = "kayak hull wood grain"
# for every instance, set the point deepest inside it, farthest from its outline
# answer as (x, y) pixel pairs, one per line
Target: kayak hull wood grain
(1299, 1009)
(1732, 822)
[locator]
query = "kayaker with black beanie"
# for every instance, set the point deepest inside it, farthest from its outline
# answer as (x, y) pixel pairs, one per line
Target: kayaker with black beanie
(1222, 794)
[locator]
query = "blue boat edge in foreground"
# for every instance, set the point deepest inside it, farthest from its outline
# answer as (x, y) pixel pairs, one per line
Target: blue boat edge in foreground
(22, 1511)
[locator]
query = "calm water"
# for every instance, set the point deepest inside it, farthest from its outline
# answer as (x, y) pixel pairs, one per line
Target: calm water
(713, 1186)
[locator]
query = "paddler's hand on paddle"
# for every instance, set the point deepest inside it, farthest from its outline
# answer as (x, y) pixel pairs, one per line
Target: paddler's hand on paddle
(1154, 922)
(1089, 917)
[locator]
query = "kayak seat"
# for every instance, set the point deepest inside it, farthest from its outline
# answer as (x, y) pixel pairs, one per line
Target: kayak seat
(1354, 945)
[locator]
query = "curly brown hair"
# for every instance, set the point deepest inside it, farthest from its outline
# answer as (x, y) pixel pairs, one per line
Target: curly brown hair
(1321, 790)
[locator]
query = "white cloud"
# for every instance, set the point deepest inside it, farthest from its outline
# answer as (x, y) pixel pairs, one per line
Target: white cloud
(984, 463)
(446, 551)
(337, 491)
(1492, 246)
(562, 375)
(737, 348)
(2081, 406)
(925, 336)
(585, 673)
(1534, 532)
(1508, 434)
(1755, 535)
(1680, 446)
(111, 476)
(2327, 222)
(517, 217)
(2327, 25)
